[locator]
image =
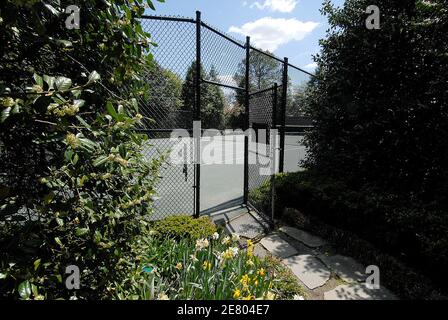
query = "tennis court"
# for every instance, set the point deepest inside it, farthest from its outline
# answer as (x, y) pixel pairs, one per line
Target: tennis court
(222, 172)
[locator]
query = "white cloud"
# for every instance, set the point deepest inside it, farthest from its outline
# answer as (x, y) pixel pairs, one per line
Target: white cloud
(245, 3)
(311, 66)
(276, 5)
(269, 33)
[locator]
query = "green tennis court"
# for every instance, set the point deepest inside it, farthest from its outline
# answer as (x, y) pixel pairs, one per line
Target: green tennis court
(222, 180)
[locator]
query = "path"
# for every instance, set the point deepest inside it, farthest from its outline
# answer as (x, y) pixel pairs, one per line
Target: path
(324, 274)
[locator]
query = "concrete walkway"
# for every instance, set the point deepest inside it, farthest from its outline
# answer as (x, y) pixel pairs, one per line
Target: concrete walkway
(323, 273)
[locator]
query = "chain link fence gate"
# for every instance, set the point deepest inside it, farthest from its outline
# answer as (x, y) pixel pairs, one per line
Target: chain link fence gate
(198, 73)
(171, 106)
(263, 151)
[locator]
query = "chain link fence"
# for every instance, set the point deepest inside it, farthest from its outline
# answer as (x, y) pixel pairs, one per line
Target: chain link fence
(200, 73)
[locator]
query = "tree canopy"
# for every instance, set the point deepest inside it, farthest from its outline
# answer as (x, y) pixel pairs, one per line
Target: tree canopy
(212, 97)
(381, 125)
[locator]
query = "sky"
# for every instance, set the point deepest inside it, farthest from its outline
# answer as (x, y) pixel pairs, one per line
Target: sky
(288, 28)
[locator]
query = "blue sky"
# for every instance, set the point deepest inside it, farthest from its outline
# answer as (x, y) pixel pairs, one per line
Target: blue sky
(289, 28)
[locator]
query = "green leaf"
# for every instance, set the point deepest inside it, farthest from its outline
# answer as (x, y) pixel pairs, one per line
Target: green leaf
(110, 108)
(81, 231)
(37, 264)
(75, 159)
(60, 222)
(150, 4)
(3, 275)
(68, 155)
(99, 161)
(83, 122)
(64, 43)
(59, 242)
(79, 103)
(5, 114)
(25, 289)
(15, 109)
(63, 83)
(52, 9)
(94, 77)
(34, 290)
(49, 197)
(88, 144)
(38, 80)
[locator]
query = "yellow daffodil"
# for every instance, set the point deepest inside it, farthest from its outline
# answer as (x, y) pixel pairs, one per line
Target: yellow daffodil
(261, 272)
(245, 280)
(226, 240)
(236, 293)
(179, 266)
(206, 265)
(162, 296)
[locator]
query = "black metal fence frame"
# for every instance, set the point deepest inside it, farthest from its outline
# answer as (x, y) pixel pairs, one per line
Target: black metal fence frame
(198, 81)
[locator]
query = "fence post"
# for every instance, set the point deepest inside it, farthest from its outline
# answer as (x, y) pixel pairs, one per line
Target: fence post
(246, 122)
(197, 117)
(281, 166)
(273, 138)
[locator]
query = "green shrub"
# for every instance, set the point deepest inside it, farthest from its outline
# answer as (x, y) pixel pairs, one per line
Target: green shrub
(385, 124)
(183, 226)
(404, 228)
(75, 187)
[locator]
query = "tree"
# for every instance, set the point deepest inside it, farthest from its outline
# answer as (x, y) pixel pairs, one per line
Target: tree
(75, 188)
(165, 90)
(379, 110)
(212, 98)
(381, 122)
(263, 73)
(296, 104)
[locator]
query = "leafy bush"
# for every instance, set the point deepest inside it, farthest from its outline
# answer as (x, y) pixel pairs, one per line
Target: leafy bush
(380, 107)
(75, 188)
(413, 232)
(183, 226)
(206, 269)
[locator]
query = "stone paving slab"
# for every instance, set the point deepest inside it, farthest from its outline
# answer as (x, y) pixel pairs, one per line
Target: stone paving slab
(246, 226)
(277, 246)
(346, 268)
(309, 270)
(302, 236)
(358, 292)
(259, 251)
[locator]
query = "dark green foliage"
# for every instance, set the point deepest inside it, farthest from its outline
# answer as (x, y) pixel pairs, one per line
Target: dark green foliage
(234, 117)
(75, 188)
(183, 226)
(212, 98)
(411, 231)
(165, 90)
(380, 109)
(379, 149)
(263, 73)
